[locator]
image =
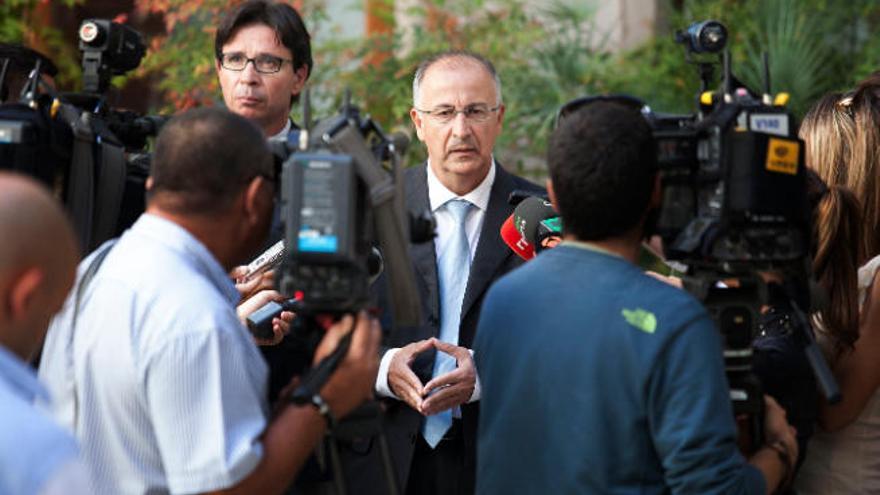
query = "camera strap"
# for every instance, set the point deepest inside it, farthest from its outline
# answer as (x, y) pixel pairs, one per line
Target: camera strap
(81, 286)
(81, 190)
(95, 198)
(110, 188)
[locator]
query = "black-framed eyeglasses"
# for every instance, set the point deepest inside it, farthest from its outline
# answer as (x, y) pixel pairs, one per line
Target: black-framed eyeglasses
(263, 63)
(478, 112)
(578, 103)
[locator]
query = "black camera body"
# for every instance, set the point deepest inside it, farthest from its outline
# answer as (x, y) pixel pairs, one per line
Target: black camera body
(326, 224)
(734, 187)
(341, 198)
(108, 49)
(733, 173)
(734, 206)
(341, 206)
(91, 155)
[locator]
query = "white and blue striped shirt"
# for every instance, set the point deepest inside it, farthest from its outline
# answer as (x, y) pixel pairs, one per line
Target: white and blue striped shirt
(161, 383)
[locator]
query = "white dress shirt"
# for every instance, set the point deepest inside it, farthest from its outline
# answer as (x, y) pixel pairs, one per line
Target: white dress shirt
(282, 134)
(159, 379)
(438, 196)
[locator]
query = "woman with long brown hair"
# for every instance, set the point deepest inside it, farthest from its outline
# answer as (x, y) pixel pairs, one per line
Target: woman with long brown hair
(842, 133)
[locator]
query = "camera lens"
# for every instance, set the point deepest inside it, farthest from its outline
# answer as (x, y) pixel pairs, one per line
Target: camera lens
(90, 33)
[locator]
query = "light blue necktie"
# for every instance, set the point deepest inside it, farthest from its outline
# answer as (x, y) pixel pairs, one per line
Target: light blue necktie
(453, 266)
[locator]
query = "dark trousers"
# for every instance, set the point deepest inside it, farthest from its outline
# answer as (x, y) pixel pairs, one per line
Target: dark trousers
(438, 471)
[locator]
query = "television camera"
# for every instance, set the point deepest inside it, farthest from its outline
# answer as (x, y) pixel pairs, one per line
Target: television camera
(734, 205)
(341, 198)
(734, 210)
(90, 155)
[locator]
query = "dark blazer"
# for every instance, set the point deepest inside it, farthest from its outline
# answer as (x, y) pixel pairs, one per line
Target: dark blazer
(492, 259)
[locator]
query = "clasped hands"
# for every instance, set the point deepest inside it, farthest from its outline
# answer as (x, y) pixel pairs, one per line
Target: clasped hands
(442, 392)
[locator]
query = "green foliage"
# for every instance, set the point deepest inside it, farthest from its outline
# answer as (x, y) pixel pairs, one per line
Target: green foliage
(15, 28)
(184, 56)
(546, 54)
(814, 46)
(544, 58)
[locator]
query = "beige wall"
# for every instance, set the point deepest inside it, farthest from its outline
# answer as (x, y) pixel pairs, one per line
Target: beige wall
(618, 24)
(627, 23)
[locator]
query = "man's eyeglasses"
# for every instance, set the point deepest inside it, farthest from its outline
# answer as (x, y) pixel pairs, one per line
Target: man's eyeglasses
(478, 112)
(578, 103)
(263, 63)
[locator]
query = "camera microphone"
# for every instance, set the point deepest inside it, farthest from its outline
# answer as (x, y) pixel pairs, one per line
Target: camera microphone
(515, 240)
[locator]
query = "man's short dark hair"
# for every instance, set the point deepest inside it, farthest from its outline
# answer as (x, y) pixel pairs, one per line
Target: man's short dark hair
(603, 166)
(282, 18)
(204, 158)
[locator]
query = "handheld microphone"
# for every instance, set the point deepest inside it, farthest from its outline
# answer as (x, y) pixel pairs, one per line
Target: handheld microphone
(260, 321)
(536, 220)
(268, 260)
(529, 213)
(515, 241)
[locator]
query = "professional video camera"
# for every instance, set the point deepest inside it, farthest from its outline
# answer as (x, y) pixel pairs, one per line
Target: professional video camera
(341, 198)
(89, 154)
(734, 204)
(342, 208)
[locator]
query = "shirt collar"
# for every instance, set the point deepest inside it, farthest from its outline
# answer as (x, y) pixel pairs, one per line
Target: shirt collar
(588, 246)
(282, 134)
(180, 240)
(20, 378)
(439, 195)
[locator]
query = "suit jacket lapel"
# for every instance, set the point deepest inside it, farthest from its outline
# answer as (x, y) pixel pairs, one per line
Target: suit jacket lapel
(424, 256)
(491, 250)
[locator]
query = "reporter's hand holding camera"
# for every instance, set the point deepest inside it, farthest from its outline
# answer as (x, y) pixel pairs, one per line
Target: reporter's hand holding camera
(352, 383)
(777, 458)
(348, 387)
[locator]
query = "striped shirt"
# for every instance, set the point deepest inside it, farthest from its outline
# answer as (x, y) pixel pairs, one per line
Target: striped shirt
(161, 383)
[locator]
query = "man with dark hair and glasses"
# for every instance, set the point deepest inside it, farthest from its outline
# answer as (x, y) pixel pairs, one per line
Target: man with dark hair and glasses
(263, 60)
(148, 362)
(427, 377)
(596, 377)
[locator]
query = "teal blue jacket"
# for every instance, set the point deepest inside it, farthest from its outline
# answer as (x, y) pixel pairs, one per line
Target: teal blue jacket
(599, 379)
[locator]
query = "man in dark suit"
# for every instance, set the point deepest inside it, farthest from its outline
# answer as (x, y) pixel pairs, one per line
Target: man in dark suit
(427, 373)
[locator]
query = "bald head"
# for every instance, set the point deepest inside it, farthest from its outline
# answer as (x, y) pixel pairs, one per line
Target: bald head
(38, 259)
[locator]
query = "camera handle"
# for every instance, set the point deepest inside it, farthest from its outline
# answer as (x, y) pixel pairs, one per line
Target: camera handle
(827, 382)
(365, 419)
(317, 376)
